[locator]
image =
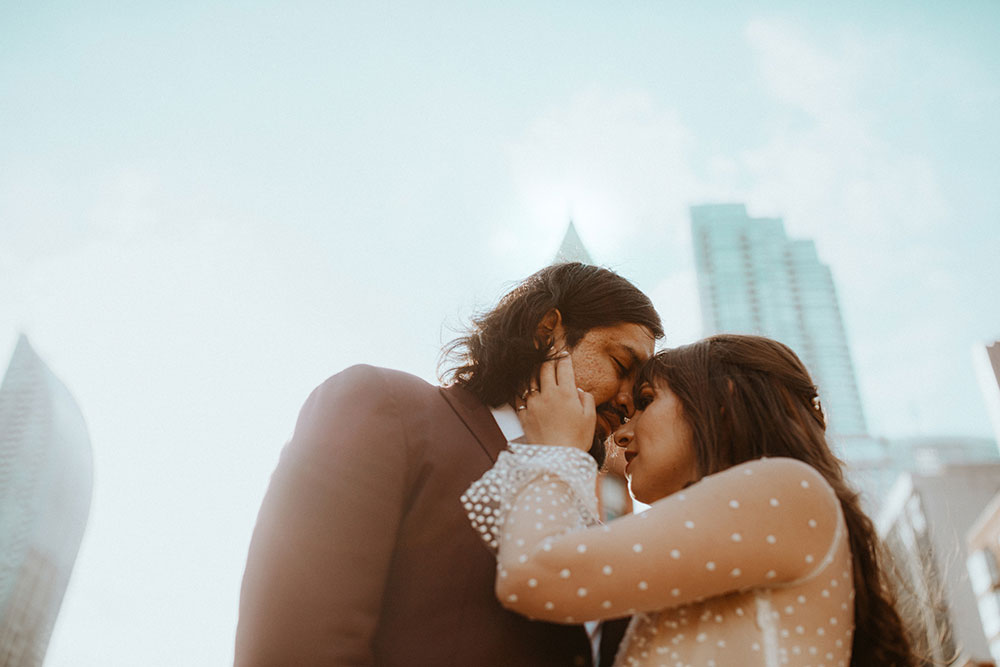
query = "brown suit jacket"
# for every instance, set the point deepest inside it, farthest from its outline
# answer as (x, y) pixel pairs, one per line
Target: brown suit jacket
(362, 554)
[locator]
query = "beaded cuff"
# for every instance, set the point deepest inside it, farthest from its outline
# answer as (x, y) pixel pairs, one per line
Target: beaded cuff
(489, 499)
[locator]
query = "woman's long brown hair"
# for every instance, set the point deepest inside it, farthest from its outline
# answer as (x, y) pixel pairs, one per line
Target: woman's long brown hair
(747, 397)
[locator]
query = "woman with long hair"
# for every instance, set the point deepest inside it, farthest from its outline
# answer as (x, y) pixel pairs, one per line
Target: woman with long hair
(754, 550)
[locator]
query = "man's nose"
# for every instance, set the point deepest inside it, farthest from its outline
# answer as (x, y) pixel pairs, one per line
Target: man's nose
(623, 401)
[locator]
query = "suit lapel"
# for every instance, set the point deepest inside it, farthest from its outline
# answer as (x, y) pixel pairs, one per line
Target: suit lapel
(477, 417)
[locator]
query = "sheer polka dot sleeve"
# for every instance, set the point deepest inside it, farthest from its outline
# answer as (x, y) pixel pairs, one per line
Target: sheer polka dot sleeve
(766, 523)
(490, 500)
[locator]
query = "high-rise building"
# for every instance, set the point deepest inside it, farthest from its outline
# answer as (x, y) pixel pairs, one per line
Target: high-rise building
(987, 361)
(753, 279)
(45, 490)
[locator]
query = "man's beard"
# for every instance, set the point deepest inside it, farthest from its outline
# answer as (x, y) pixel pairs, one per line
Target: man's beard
(599, 448)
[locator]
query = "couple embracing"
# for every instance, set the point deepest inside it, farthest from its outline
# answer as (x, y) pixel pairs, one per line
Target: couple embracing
(408, 524)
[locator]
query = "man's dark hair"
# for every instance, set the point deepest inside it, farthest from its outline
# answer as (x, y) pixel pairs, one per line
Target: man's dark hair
(497, 356)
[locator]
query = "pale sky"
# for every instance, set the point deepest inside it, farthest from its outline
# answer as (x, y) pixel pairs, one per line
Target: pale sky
(207, 208)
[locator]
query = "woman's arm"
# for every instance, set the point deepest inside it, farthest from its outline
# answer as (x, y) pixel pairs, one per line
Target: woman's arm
(757, 524)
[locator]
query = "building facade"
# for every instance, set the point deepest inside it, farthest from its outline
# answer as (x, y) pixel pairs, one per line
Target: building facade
(45, 491)
(924, 521)
(753, 279)
(983, 545)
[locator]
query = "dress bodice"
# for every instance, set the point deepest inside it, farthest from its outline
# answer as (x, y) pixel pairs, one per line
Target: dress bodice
(809, 623)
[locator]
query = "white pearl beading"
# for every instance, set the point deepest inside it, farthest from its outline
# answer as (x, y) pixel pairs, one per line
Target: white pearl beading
(489, 499)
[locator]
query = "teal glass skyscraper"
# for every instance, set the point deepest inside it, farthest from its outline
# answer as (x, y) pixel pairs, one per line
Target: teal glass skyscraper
(753, 279)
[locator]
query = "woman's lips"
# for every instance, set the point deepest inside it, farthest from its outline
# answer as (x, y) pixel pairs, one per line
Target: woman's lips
(629, 457)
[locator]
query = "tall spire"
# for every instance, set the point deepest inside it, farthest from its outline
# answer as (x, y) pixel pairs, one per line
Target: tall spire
(572, 249)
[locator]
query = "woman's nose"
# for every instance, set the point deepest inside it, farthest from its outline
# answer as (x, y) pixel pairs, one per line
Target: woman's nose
(622, 435)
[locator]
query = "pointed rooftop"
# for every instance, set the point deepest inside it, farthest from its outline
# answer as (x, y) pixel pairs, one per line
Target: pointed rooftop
(572, 248)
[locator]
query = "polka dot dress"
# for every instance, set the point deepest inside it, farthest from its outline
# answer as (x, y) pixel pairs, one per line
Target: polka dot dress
(750, 566)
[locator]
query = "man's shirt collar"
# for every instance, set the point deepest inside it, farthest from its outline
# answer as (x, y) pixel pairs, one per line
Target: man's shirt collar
(508, 422)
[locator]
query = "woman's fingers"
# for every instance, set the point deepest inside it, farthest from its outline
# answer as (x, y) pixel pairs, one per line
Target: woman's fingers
(557, 385)
(554, 411)
(564, 372)
(586, 401)
(547, 375)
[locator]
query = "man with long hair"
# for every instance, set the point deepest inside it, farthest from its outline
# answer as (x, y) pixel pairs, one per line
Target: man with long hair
(362, 554)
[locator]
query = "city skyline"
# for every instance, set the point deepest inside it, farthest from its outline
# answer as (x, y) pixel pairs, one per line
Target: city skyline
(206, 209)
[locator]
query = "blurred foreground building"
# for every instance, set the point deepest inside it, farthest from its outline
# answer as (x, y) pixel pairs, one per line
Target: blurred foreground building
(924, 520)
(753, 279)
(875, 475)
(983, 542)
(45, 491)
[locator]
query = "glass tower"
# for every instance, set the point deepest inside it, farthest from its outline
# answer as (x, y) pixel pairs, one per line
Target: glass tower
(45, 491)
(753, 279)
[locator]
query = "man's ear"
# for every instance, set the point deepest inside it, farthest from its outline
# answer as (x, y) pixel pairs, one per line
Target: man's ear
(550, 332)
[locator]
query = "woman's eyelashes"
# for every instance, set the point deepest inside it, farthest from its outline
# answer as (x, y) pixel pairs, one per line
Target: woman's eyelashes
(644, 397)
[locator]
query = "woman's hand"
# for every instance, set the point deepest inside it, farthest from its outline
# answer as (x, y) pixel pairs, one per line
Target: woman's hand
(556, 412)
